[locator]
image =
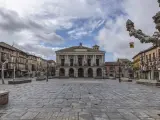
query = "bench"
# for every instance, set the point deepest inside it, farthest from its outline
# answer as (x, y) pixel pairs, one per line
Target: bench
(4, 97)
(19, 81)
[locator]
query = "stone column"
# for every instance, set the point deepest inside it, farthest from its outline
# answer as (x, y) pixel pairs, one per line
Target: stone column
(76, 73)
(92, 60)
(102, 61)
(76, 59)
(58, 59)
(159, 75)
(152, 74)
(66, 72)
(94, 72)
(57, 73)
(95, 59)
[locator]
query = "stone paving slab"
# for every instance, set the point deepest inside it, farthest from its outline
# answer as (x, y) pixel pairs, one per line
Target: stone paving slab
(81, 100)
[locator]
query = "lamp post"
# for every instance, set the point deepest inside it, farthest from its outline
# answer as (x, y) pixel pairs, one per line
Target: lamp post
(14, 72)
(3, 71)
(47, 72)
(119, 72)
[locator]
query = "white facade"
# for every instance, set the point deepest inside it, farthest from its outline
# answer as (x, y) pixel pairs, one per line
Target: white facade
(80, 61)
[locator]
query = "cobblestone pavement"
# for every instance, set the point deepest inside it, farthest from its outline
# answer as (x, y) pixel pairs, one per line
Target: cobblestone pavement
(81, 100)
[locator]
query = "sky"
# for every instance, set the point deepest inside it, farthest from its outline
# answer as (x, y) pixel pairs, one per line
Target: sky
(41, 27)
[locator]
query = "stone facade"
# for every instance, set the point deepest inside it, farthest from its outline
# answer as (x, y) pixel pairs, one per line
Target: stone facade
(112, 69)
(16, 58)
(149, 61)
(80, 61)
(120, 68)
(25, 64)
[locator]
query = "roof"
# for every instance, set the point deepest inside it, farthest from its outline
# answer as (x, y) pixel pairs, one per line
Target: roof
(71, 49)
(50, 61)
(3, 44)
(148, 49)
(111, 63)
(123, 60)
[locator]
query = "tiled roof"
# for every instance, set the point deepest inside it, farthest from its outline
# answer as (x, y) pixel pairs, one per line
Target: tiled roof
(148, 49)
(3, 44)
(51, 61)
(111, 63)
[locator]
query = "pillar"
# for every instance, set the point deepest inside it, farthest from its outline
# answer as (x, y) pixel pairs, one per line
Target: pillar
(85, 72)
(66, 72)
(159, 75)
(94, 72)
(76, 73)
(101, 60)
(152, 74)
(57, 73)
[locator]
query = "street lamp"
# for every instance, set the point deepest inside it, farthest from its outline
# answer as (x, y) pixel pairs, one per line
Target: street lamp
(3, 71)
(119, 73)
(14, 69)
(47, 72)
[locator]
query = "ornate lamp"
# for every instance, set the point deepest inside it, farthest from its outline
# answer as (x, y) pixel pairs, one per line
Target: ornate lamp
(155, 39)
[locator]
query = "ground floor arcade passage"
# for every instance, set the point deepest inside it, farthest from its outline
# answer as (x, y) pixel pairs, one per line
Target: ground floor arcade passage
(80, 72)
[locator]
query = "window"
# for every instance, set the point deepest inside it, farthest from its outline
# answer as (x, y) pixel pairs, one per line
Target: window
(111, 75)
(71, 62)
(89, 62)
(153, 56)
(80, 61)
(146, 57)
(62, 62)
(111, 68)
(149, 57)
(97, 62)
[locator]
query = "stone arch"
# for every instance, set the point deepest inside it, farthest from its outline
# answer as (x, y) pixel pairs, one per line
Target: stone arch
(61, 72)
(71, 72)
(99, 72)
(90, 72)
(80, 72)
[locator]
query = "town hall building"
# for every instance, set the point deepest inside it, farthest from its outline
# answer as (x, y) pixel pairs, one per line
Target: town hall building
(80, 62)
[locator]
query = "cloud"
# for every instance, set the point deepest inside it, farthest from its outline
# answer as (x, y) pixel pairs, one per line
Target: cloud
(39, 50)
(27, 32)
(114, 38)
(31, 24)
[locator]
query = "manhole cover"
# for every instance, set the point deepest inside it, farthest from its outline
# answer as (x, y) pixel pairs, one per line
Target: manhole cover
(158, 114)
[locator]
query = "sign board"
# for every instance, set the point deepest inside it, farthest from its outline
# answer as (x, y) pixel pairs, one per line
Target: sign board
(131, 44)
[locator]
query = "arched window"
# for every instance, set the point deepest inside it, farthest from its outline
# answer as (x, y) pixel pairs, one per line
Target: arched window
(90, 72)
(71, 72)
(99, 72)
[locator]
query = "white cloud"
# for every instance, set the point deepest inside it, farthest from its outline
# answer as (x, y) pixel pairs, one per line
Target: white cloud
(32, 24)
(114, 37)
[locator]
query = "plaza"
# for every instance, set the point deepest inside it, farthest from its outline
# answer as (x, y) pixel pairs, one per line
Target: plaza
(81, 99)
